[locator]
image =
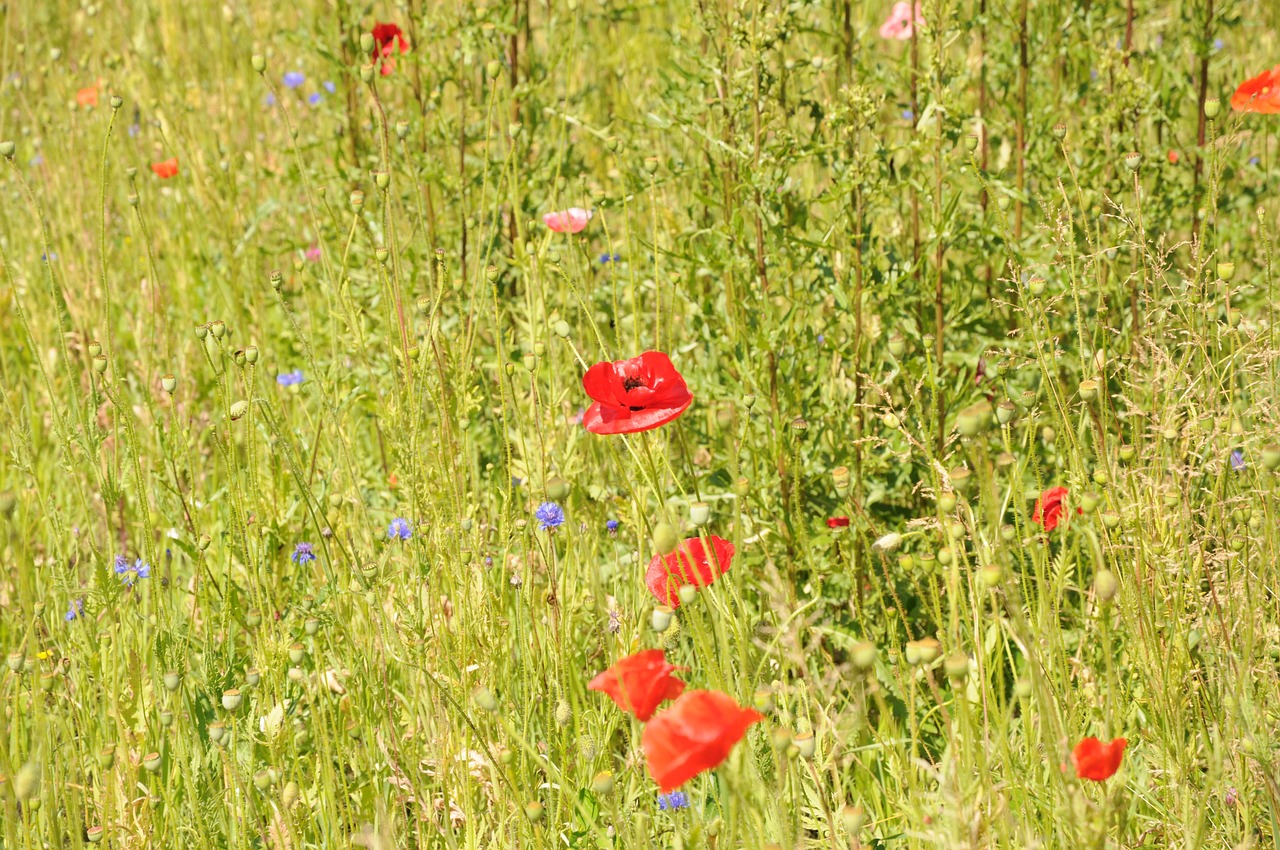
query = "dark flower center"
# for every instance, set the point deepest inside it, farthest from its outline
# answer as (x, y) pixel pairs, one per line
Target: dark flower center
(631, 383)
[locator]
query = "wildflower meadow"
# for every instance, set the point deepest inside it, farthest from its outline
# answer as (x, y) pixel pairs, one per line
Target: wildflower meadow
(640, 424)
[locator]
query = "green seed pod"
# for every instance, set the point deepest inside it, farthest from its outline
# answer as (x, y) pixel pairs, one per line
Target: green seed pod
(806, 745)
(1211, 108)
(295, 674)
(151, 761)
(1100, 477)
(262, 780)
(687, 593)
(971, 142)
(992, 575)
(852, 818)
(93, 834)
(1006, 412)
(218, 329)
(484, 698)
(955, 530)
(534, 811)
(945, 557)
(252, 677)
(1110, 519)
(166, 718)
(116, 101)
(231, 699)
(217, 730)
(974, 419)
(1059, 131)
(1132, 160)
(1022, 687)
(602, 784)
(864, 655)
(891, 421)
(956, 666)
(530, 361)
(107, 757)
(402, 130)
(15, 660)
(251, 354)
(762, 700)
(311, 626)
(493, 69)
(239, 409)
(1270, 457)
(202, 331)
(1036, 286)
(897, 345)
(665, 538)
(947, 502)
(699, 513)
(924, 651)
(741, 487)
(1127, 452)
(239, 357)
(557, 488)
(7, 149)
(840, 476)
(100, 364)
(172, 680)
(1088, 390)
(1007, 533)
(203, 543)
(1106, 585)
(169, 383)
(1089, 502)
(382, 179)
(366, 74)
(1226, 270)
(259, 62)
(297, 652)
(661, 618)
(561, 329)
(366, 42)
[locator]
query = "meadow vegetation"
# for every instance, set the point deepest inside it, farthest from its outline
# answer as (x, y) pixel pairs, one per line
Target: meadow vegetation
(324, 517)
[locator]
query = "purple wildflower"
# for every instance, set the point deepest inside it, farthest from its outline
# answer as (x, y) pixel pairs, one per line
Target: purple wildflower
(303, 554)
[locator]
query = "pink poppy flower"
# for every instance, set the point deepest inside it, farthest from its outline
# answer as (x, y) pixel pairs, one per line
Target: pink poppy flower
(572, 220)
(900, 23)
(313, 252)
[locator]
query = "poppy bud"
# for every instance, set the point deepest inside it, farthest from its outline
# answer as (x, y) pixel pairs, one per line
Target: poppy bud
(888, 542)
(1132, 160)
(534, 811)
(891, 421)
(26, 784)
(561, 329)
(992, 575)
(947, 502)
(484, 698)
(1022, 687)
(762, 700)
(530, 361)
(699, 513)
(100, 364)
(290, 795)
(231, 699)
(864, 655)
(897, 345)
(687, 594)
(956, 666)
(564, 713)
(945, 557)
(1036, 286)
(971, 142)
(661, 618)
(1271, 456)
(853, 817)
(665, 538)
(151, 761)
(7, 149)
(239, 409)
(1089, 502)
(366, 42)
(741, 487)
(259, 62)
(806, 745)
(107, 757)
(1088, 390)
(172, 680)
(1105, 585)
(1226, 270)
(262, 780)
(1059, 131)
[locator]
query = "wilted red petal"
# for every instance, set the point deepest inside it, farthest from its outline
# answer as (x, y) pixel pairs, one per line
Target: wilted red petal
(695, 734)
(639, 683)
(1097, 761)
(634, 395)
(689, 564)
(838, 522)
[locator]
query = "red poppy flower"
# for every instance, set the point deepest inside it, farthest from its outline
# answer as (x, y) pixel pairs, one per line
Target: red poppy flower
(1174, 156)
(838, 522)
(695, 734)
(639, 683)
(1096, 760)
(165, 170)
(87, 96)
(1049, 508)
(1259, 94)
(689, 564)
(388, 38)
(634, 395)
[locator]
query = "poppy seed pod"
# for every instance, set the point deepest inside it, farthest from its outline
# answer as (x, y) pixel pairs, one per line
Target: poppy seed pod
(366, 73)
(534, 811)
(1110, 519)
(853, 817)
(202, 331)
(974, 419)
(561, 329)
(356, 199)
(1089, 502)
(1106, 585)
(602, 783)
(382, 179)
(945, 557)
(367, 42)
(947, 502)
(1271, 456)
(1059, 131)
(971, 142)
(297, 652)
(95, 348)
(252, 677)
(218, 328)
(864, 655)
(151, 761)
(557, 488)
(402, 130)
(806, 745)
(840, 477)
(204, 542)
(116, 101)
(231, 699)
(891, 421)
(1211, 108)
(172, 680)
(493, 69)
(15, 660)
(1006, 412)
(687, 594)
(1132, 160)
(1036, 286)
(1088, 390)
(699, 513)
(762, 700)
(251, 355)
(741, 487)
(107, 757)
(169, 383)
(897, 345)
(7, 149)
(484, 698)
(956, 666)
(661, 618)
(100, 364)
(924, 651)
(259, 62)
(311, 626)
(992, 575)
(1226, 270)
(665, 538)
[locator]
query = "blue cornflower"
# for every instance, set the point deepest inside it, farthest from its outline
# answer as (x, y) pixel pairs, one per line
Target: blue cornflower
(75, 610)
(1217, 44)
(549, 515)
(289, 379)
(49, 258)
(1237, 460)
(606, 259)
(303, 554)
(400, 529)
(134, 130)
(131, 573)
(612, 526)
(37, 160)
(293, 79)
(270, 99)
(1253, 160)
(330, 87)
(673, 801)
(313, 98)
(908, 115)
(821, 339)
